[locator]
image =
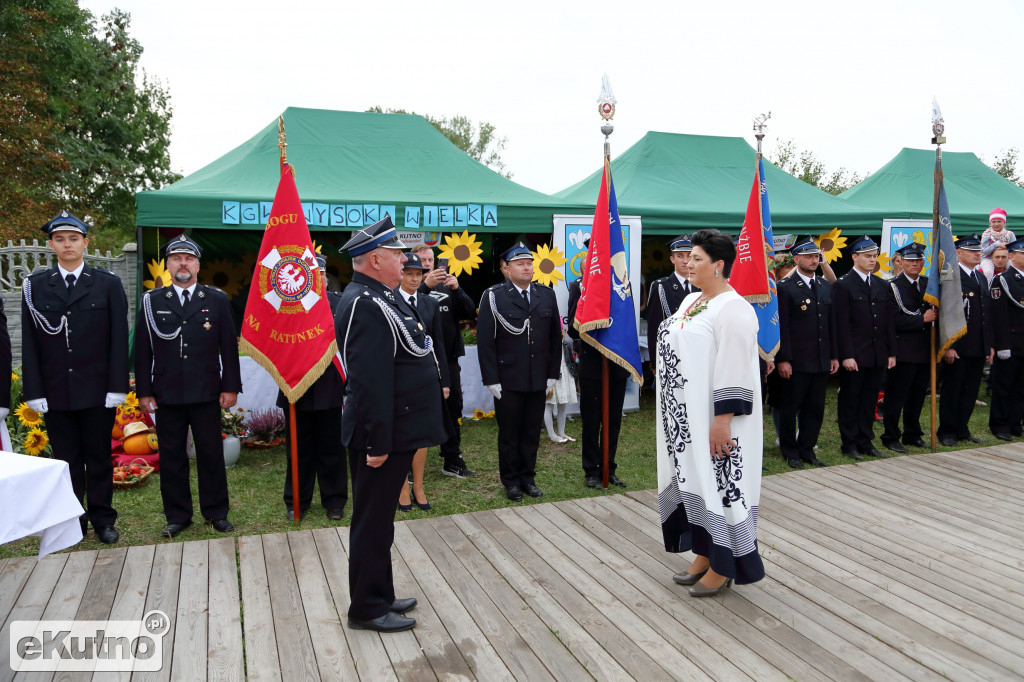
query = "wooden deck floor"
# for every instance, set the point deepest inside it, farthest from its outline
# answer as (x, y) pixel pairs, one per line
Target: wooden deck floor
(910, 568)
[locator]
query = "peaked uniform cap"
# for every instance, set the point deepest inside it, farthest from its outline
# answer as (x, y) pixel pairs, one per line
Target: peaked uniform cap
(413, 262)
(863, 245)
(681, 243)
(65, 221)
(381, 234)
(517, 251)
(970, 242)
(912, 251)
(805, 246)
(182, 244)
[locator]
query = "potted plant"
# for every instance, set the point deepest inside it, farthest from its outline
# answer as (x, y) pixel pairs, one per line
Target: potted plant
(232, 428)
(265, 428)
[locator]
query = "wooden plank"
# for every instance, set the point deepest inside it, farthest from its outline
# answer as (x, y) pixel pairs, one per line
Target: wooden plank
(32, 600)
(466, 635)
(224, 659)
(101, 589)
(261, 660)
(190, 634)
(543, 640)
(574, 636)
(1010, 451)
(492, 620)
(13, 576)
(950, 467)
(294, 648)
(921, 469)
(130, 600)
(333, 657)
(369, 657)
(1005, 472)
(162, 596)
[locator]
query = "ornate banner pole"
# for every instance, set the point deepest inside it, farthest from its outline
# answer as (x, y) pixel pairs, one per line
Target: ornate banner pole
(938, 128)
(605, 107)
(296, 502)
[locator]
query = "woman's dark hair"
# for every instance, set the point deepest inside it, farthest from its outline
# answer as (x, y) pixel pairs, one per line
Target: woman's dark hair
(718, 246)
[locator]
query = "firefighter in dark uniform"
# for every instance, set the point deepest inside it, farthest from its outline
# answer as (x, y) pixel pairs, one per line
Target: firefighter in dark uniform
(318, 431)
(186, 368)
(1008, 333)
(965, 361)
(907, 383)
(667, 293)
(392, 408)
(519, 341)
(866, 341)
(75, 364)
(807, 354)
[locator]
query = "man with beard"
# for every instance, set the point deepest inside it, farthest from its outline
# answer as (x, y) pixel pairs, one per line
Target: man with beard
(1008, 334)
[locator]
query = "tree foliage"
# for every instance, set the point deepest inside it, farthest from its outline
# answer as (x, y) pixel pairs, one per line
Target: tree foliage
(83, 128)
(478, 141)
(803, 165)
(1005, 164)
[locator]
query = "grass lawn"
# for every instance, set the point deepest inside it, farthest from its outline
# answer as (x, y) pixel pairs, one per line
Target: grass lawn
(256, 483)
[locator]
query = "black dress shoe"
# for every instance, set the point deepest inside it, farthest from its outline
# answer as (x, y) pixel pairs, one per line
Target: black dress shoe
(514, 493)
(1016, 433)
(222, 525)
(854, 455)
(919, 443)
(817, 463)
(336, 513)
(401, 606)
(795, 464)
(975, 439)
(173, 529)
(1003, 436)
(108, 535)
(896, 447)
(532, 490)
(389, 622)
(947, 442)
(615, 480)
(593, 482)
(875, 452)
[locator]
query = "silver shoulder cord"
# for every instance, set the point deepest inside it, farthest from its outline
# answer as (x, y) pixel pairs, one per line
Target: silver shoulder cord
(147, 305)
(664, 301)
(401, 333)
(1006, 292)
(502, 321)
(40, 321)
(899, 301)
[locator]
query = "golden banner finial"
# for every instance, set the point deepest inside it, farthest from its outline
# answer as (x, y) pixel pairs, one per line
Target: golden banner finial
(281, 140)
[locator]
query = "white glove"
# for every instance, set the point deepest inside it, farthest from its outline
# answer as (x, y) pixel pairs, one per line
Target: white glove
(114, 399)
(551, 385)
(39, 405)
(495, 390)
(4, 411)
(1003, 354)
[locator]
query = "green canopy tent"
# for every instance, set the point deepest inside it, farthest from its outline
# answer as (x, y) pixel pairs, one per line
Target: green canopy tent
(904, 188)
(680, 183)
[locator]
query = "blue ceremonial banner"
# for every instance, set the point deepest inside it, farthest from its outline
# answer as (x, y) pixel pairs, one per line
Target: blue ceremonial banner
(943, 290)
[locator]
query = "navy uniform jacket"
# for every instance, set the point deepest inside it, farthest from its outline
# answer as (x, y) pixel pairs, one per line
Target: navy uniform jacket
(5, 360)
(75, 368)
(913, 338)
(201, 362)
(326, 392)
(455, 305)
(865, 325)
(430, 312)
(590, 357)
(519, 362)
(1007, 309)
(807, 338)
(663, 300)
(978, 339)
(393, 394)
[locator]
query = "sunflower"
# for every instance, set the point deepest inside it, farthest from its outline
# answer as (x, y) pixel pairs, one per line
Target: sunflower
(463, 253)
(831, 244)
(15, 377)
(883, 265)
(27, 416)
(131, 401)
(35, 442)
(490, 415)
(546, 265)
(479, 414)
(226, 276)
(656, 258)
(161, 276)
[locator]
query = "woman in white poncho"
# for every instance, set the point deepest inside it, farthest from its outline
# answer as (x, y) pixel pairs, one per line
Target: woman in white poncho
(710, 429)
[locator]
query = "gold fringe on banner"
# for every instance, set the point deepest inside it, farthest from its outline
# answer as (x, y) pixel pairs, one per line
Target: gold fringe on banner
(314, 373)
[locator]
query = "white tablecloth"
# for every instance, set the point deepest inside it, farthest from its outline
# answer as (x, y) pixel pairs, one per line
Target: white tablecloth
(36, 498)
(259, 392)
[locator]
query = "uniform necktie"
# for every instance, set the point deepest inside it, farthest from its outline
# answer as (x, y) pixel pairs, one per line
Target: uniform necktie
(917, 285)
(814, 287)
(184, 295)
(412, 302)
(525, 297)
(70, 279)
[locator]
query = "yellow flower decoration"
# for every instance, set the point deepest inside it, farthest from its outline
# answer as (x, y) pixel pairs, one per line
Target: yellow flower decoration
(15, 377)
(460, 421)
(883, 265)
(479, 414)
(831, 244)
(490, 415)
(131, 401)
(27, 416)
(226, 276)
(546, 264)
(35, 442)
(161, 276)
(463, 253)
(655, 258)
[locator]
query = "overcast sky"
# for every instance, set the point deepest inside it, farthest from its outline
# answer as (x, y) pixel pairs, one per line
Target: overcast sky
(853, 82)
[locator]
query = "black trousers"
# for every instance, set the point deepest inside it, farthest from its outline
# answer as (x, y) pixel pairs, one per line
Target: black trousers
(802, 398)
(321, 458)
(82, 439)
(520, 415)
(858, 396)
(960, 383)
(172, 424)
(374, 501)
(905, 393)
(451, 449)
(1007, 409)
(590, 413)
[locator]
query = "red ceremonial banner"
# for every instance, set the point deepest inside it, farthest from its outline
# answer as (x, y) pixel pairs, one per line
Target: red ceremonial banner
(288, 327)
(749, 275)
(594, 308)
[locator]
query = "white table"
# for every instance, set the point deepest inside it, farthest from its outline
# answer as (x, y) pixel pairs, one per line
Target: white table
(36, 498)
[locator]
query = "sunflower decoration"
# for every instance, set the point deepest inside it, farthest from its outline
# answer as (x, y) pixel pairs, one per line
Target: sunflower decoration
(161, 276)
(35, 442)
(547, 263)
(131, 401)
(656, 257)
(226, 276)
(831, 244)
(478, 414)
(883, 265)
(463, 253)
(27, 416)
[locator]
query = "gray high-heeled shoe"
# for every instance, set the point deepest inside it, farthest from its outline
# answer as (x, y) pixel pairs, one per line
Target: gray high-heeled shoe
(688, 578)
(699, 590)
